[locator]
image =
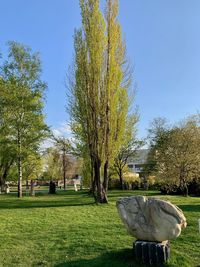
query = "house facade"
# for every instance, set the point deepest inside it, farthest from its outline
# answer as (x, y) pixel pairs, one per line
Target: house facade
(138, 162)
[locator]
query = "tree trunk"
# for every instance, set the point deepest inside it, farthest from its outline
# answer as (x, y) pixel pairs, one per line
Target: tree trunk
(19, 167)
(121, 180)
(19, 177)
(106, 177)
(100, 194)
(2, 182)
(185, 189)
(183, 180)
(92, 181)
(2, 185)
(64, 169)
(32, 188)
(4, 176)
(27, 187)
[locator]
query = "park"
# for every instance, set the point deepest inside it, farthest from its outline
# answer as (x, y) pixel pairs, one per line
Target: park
(69, 229)
(99, 134)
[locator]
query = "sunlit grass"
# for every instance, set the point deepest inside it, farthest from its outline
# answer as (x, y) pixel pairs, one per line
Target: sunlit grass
(68, 229)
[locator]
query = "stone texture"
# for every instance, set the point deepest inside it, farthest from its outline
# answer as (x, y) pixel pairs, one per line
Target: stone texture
(151, 219)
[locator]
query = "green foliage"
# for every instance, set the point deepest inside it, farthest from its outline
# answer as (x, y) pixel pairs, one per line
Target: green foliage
(151, 180)
(86, 172)
(22, 126)
(131, 177)
(99, 85)
(175, 151)
(128, 148)
(63, 145)
(53, 164)
(33, 166)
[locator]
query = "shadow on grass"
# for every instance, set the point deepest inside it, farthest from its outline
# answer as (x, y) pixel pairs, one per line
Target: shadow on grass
(45, 192)
(122, 258)
(62, 198)
(190, 208)
(41, 200)
(126, 193)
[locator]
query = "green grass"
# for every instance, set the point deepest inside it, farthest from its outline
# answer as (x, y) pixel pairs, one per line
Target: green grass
(68, 229)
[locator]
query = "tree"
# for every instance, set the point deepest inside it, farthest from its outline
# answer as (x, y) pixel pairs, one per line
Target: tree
(22, 108)
(157, 138)
(7, 157)
(129, 147)
(175, 151)
(88, 105)
(52, 164)
(7, 150)
(99, 89)
(64, 146)
(126, 152)
(117, 83)
(32, 169)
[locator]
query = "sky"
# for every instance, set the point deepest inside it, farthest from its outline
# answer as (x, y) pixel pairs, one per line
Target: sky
(163, 44)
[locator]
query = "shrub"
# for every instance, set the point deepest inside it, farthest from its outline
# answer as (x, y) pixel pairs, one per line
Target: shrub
(114, 184)
(173, 189)
(170, 189)
(194, 187)
(128, 184)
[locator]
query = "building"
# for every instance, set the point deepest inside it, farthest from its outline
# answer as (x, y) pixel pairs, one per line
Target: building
(138, 162)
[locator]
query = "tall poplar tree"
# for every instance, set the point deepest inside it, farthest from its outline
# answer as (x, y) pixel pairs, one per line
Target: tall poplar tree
(99, 91)
(22, 103)
(117, 83)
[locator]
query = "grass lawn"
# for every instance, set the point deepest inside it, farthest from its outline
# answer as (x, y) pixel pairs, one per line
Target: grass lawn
(68, 229)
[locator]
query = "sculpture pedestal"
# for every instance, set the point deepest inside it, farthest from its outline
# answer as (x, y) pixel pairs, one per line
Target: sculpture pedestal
(150, 252)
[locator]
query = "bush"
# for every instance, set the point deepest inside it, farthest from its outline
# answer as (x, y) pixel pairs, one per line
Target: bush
(194, 187)
(131, 181)
(114, 184)
(170, 189)
(173, 189)
(127, 185)
(151, 180)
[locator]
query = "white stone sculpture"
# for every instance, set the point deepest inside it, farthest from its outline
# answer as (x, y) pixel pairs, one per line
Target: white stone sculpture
(151, 219)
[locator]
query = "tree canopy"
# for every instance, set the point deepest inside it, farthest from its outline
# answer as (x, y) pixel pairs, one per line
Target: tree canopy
(22, 125)
(175, 151)
(99, 86)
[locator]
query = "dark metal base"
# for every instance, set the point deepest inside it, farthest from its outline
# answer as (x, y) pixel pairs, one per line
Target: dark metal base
(153, 253)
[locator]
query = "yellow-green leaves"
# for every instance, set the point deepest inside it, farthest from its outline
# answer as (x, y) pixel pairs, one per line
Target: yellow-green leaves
(99, 99)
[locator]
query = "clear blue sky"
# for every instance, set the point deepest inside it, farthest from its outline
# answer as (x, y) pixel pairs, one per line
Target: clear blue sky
(163, 43)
